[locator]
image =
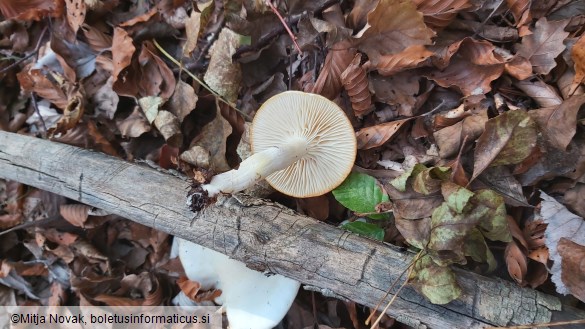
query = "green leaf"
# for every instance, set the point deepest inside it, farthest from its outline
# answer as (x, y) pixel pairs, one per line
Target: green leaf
(456, 196)
(361, 193)
(507, 139)
(494, 225)
(400, 182)
(429, 180)
(477, 249)
(436, 283)
(366, 229)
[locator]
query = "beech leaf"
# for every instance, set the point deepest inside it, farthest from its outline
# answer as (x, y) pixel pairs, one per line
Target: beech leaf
(544, 44)
(508, 139)
(436, 283)
(559, 124)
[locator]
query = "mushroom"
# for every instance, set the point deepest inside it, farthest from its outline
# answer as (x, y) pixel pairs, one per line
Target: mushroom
(303, 145)
(251, 299)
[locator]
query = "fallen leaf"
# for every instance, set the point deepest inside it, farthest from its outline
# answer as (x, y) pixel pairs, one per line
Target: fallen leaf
(450, 139)
(36, 81)
(223, 75)
(398, 90)
(361, 193)
(562, 224)
(192, 30)
(75, 214)
(508, 139)
(573, 267)
(122, 51)
(476, 248)
(355, 82)
(544, 45)
(393, 26)
(578, 56)
(439, 13)
(28, 10)
(169, 127)
(516, 262)
(96, 38)
(183, 100)
(409, 58)
(75, 13)
(134, 125)
(501, 180)
(520, 10)
(542, 93)
(559, 124)
(471, 70)
(213, 138)
(338, 59)
(574, 199)
(436, 283)
(377, 135)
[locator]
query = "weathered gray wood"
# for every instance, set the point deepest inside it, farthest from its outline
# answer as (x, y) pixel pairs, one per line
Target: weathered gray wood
(266, 236)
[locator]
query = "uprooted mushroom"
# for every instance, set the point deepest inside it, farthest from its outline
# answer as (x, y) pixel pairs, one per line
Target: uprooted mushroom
(304, 146)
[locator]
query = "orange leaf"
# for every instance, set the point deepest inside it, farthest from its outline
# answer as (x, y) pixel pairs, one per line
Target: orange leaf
(377, 135)
(439, 13)
(410, 57)
(29, 10)
(122, 51)
(75, 13)
(35, 81)
(578, 56)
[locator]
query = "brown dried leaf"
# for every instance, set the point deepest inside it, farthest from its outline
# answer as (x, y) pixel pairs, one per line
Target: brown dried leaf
(471, 69)
(578, 56)
(519, 67)
(507, 139)
(72, 113)
(516, 262)
(393, 26)
(169, 127)
(398, 90)
(355, 82)
(140, 18)
(544, 45)
(573, 267)
(439, 13)
(134, 125)
(338, 59)
(520, 10)
(449, 139)
(75, 13)
(559, 124)
(192, 290)
(316, 207)
(192, 25)
(574, 199)
(377, 135)
(122, 51)
(29, 10)
(157, 79)
(75, 214)
(10, 220)
(542, 93)
(36, 81)
(213, 138)
(97, 39)
(183, 100)
(409, 58)
(223, 75)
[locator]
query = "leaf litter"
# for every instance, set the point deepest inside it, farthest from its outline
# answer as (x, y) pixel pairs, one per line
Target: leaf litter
(474, 111)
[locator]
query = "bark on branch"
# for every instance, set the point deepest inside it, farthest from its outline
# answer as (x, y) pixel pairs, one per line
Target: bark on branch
(267, 237)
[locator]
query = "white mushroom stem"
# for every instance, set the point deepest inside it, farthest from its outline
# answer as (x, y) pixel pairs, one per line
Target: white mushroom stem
(258, 166)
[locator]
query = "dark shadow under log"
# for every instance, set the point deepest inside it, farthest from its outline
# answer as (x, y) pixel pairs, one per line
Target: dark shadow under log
(268, 237)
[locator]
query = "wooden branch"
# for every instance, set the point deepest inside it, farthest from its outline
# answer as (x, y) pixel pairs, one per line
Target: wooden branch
(267, 237)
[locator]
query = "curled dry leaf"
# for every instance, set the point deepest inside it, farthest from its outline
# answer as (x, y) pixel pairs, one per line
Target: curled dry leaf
(516, 262)
(338, 59)
(450, 139)
(75, 214)
(36, 81)
(355, 82)
(377, 135)
(28, 10)
(134, 125)
(544, 45)
(96, 39)
(183, 100)
(169, 127)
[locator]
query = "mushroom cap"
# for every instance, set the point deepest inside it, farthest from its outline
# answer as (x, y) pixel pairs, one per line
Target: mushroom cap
(330, 137)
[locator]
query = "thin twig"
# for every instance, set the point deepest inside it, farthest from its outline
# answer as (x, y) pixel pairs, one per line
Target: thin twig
(292, 36)
(38, 112)
(40, 222)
